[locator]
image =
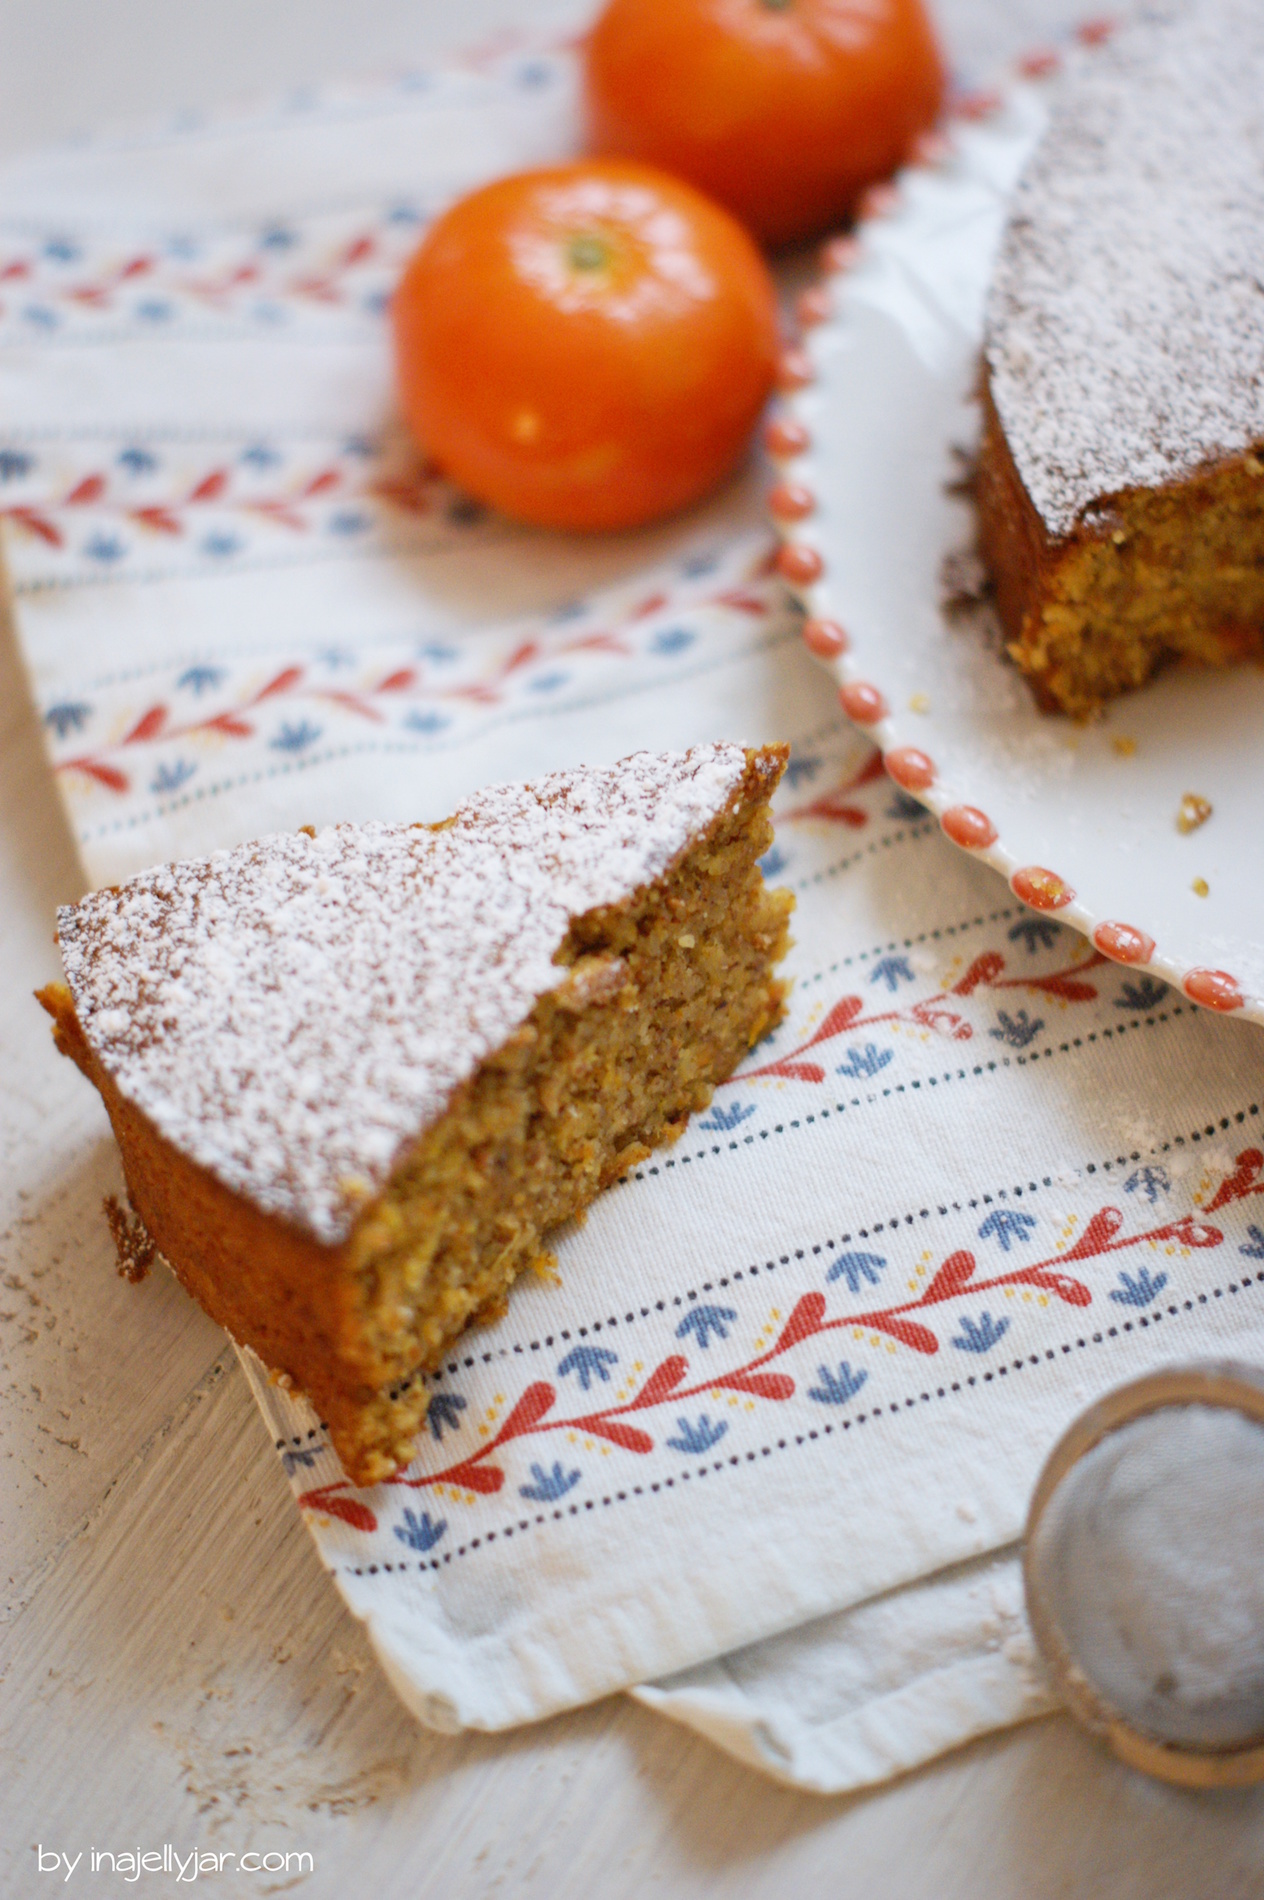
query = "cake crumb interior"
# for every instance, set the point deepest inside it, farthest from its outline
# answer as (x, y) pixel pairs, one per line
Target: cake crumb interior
(1151, 576)
(662, 999)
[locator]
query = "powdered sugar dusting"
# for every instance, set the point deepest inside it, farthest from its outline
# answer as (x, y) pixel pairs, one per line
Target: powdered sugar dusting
(1125, 336)
(292, 1013)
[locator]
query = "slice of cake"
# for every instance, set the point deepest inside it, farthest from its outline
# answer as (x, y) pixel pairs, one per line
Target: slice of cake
(1121, 485)
(357, 1074)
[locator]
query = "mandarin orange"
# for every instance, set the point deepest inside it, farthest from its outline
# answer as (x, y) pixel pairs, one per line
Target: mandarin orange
(588, 346)
(784, 110)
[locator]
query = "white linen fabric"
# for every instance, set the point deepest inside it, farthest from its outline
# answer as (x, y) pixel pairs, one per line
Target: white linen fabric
(855, 1698)
(787, 1404)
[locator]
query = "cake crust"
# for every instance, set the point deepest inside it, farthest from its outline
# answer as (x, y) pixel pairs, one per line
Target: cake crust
(647, 1001)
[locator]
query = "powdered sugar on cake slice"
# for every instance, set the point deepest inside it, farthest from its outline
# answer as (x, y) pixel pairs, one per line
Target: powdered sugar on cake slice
(1125, 330)
(292, 1013)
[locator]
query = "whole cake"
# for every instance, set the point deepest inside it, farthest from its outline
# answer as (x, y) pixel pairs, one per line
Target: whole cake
(1121, 482)
(357, 1074)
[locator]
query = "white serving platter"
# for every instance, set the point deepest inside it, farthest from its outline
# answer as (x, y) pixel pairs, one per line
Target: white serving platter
(877, 429)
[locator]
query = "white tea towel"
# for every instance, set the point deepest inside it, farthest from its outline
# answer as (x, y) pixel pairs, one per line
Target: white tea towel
(801, 1369)
(872, 1692)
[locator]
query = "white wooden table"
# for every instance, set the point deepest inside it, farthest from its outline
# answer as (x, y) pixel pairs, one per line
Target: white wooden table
(174, 1665)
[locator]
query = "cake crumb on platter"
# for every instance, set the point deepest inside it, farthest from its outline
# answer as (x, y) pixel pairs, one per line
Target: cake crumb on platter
(1194, 811)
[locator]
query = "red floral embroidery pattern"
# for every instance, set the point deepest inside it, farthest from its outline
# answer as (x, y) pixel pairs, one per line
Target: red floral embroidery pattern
(1103, 1235)
(412, 490)
(350, 1510)
(929, 1012)
(107, 765)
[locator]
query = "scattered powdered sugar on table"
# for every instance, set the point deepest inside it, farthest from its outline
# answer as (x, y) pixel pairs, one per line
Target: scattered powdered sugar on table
(1125, 329)
(1150, 1555)
(292, 1013)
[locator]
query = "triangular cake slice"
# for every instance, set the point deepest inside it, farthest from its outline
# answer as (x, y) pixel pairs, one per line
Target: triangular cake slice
(1121, 482)
(357, 1074)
